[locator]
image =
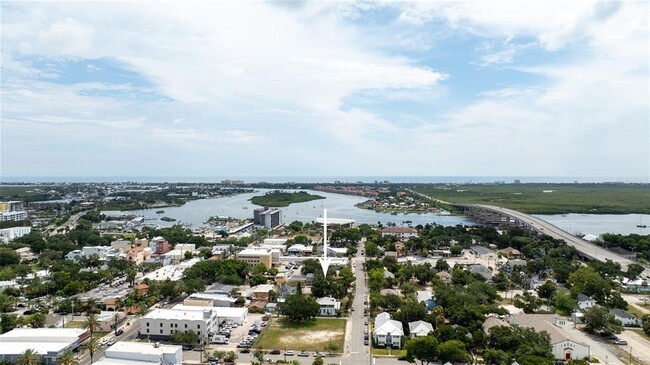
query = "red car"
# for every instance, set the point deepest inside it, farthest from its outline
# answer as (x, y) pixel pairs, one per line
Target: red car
(265, 318)
(275, 352)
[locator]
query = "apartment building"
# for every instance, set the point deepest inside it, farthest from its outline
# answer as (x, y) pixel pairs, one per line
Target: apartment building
(161, 324)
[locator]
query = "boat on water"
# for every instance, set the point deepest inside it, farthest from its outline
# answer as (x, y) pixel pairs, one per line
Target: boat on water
(244, 207)
(642, 226)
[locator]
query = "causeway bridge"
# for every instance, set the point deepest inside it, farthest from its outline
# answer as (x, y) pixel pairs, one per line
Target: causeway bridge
(493, 215)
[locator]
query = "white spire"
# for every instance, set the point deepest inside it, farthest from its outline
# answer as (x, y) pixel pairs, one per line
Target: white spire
(324, 261)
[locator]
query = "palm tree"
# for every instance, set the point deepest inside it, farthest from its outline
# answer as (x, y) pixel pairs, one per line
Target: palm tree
(67, 358)
(92, 346)
(91, 305)
(143, 308)
(29, 357)
(439, 316)
(92, 323)
(116, 320)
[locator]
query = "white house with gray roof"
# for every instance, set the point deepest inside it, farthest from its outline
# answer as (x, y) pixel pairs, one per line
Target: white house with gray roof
(419, 329)
(626, 318)
(388, 332)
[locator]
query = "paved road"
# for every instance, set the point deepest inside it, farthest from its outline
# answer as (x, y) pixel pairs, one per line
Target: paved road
(358, 352)
(586, 247)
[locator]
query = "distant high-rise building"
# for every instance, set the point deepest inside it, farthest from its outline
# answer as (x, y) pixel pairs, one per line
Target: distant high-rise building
(269, 218)
(517, 181)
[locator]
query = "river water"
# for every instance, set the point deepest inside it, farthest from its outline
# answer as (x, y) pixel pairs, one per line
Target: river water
(343, 206)
(337, 205)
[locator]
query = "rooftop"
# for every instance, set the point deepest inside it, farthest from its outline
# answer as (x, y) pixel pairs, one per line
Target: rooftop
(399, 230)
(190, 313)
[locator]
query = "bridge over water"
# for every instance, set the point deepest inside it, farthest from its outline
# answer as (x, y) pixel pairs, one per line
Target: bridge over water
(493, 215)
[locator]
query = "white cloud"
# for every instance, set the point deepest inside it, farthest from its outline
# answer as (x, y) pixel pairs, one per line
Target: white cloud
(245, 77)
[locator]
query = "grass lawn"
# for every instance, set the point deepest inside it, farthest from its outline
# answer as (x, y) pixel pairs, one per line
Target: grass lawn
(384, 352)
(565, 198)
(311, 335)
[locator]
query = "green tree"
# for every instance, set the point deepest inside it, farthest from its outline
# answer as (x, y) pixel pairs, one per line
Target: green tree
(564, 302)
(600, 319)
(231, 356)
(91, 323)
(452, 350)
(28, 357)
(299, 307)
(442, 265)
(318, 361)
(37, 320)
(633, 271)
(547, 290)
(424, 349)
(528, 302)
(67, 358)
(372, 250)
(93, 346)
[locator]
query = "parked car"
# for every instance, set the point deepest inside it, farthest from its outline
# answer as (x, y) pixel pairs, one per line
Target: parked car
(111, 342)
(365, 341)
(119, 332)
(265, 318)
(245, 350)
(187, 347)
(289, 353)
(275, 352)
(319, 354)
(303, 354)
(620, 342)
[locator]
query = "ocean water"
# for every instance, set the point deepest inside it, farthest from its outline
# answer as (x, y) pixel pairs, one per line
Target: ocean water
(326, 179)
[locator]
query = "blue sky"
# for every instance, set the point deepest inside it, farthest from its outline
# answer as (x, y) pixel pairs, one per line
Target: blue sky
(502, 88)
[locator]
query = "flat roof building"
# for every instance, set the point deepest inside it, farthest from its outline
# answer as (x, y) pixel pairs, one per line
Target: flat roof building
(142, 353)
(48, 343)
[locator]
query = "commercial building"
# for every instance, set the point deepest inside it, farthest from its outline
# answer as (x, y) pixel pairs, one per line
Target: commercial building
(105, 253)
(230, 314)
(210, 300)
(48, 343)
(268, 218)
(159, 246)
(107, 322)
(399, 232)
(161, 324)
(13, 216)
(256, 256)
(10, 234)
(142, 353)
(10, 206)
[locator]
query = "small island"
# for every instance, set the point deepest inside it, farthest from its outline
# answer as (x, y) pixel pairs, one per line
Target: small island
(160, 211)
(279, 198)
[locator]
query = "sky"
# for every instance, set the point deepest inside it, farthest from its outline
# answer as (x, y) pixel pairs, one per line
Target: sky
(325, 88)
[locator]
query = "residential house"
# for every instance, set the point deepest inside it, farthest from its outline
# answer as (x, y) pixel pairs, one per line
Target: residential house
(481, 270)
(510, 266)
(419, 329)
(329, 307)
(585, 302)
(626, 318)
(444, 276)
(387, 332)
(426, 297)
(512, 253)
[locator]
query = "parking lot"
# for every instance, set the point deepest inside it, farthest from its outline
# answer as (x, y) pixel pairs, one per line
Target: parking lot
(237, 334)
